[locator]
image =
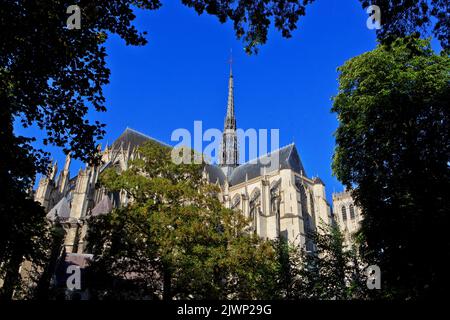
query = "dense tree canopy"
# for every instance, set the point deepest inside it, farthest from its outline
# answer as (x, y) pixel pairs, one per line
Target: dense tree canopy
(393, 148)
(175, 239)
(50, 77)
(334, 270)
(400, 18)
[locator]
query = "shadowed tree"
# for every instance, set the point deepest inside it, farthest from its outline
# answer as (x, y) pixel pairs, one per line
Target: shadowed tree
(393, 148)
(332, 271)
(252, 19)
(175, 239)
(400, 18)
(50, 77)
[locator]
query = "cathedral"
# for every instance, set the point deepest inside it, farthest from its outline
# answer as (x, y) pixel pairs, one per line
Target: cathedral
(281, 201)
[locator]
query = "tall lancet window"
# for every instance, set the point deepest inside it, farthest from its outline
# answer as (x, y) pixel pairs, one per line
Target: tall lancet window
(352, 212)
(236, 202)
(275, 201)
(255, 208)
(344, 213)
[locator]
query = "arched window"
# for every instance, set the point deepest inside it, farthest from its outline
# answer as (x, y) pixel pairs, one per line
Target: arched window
(236, 202)
(275, 198)
(255, 204)
(352, 212)
(344, 213)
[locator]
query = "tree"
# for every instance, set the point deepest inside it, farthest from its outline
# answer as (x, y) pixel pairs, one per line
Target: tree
(175, 239)
(400, 18)
(393, 149)
(50, 77)
(29, 238)
(252, 19)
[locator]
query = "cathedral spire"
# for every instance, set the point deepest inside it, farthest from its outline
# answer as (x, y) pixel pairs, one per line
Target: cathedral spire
(229, 150)
(230, 120)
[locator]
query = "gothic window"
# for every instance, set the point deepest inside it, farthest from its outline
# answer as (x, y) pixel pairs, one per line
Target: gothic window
(352, 212)
(311, 202)
(298, 183)
(255, 203)
(344, 213)
(275, 198)
(304, 206)
(275, 204)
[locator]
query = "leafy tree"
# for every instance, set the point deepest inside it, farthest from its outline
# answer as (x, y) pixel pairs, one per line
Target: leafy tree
(252, 19)
(175, 239)
(332, 270)
(290, 263)
(29, 239)
(49, 77)
(36, 276)
(393, 149)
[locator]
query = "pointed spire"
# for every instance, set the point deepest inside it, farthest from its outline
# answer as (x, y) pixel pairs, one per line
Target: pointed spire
(229, 148)
(53, 170)
(67, 162)
(230, 120)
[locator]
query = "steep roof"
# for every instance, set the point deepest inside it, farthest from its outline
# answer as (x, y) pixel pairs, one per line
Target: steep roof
(61, 210)
(135, 139)
(132, 138)
(215, 173)
(317, 180)
(288, 159)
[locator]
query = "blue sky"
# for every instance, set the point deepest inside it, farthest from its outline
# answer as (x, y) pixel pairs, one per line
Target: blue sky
(181, 76)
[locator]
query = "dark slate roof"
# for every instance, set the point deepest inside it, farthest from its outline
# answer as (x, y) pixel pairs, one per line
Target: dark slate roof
(61, 210)
(288, 159)
(132, 138)
(79, 259)
(104, 206)
(105, 166)
(215, 173)
(317, 180)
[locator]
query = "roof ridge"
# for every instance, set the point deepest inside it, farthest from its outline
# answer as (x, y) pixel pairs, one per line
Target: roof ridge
(143, 135)
(267, 154)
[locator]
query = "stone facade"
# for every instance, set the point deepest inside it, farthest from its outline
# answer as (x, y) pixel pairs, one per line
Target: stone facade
(346, 214)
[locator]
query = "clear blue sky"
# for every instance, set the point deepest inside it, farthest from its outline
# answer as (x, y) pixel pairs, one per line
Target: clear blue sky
(181, 75)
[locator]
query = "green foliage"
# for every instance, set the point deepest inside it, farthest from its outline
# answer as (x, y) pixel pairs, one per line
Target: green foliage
(51, 77)
(400, 18)
(332, 270)
(175, 239)
(393, 149)
(252, 19)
